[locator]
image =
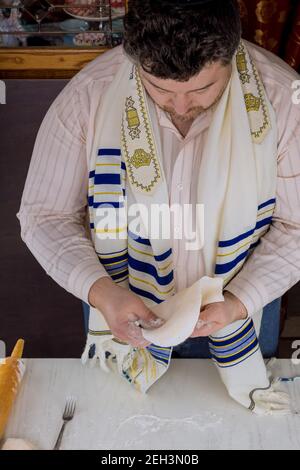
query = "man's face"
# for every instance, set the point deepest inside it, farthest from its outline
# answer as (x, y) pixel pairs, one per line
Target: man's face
(186, 100)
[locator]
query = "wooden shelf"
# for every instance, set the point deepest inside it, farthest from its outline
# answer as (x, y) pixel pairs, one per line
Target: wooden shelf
(45, 62)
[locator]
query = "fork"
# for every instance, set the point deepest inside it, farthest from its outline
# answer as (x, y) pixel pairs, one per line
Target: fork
(67, 416)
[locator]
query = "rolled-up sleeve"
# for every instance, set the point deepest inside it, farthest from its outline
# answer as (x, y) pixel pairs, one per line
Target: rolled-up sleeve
(274, 266)
(53, 210)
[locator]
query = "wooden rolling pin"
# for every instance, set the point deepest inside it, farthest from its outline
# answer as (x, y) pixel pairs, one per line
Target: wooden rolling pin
(10, 377)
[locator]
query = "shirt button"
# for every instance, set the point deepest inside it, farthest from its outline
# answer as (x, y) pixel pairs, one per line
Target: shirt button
(180, 186)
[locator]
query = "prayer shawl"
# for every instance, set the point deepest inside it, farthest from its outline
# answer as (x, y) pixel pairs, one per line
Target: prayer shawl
(237, 183)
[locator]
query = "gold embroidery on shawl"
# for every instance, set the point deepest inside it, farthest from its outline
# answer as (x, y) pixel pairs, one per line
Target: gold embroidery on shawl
(242, 65)
(252, 102)
(132, 118)
(140, 157)
(266, 122)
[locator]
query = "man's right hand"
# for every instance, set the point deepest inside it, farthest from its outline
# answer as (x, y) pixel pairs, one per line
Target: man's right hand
(121, 308)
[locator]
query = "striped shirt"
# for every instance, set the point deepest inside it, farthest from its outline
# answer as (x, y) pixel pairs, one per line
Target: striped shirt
(53, 213)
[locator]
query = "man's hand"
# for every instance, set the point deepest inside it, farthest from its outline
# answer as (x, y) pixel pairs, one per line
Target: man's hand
(121, 308)
(217, 315)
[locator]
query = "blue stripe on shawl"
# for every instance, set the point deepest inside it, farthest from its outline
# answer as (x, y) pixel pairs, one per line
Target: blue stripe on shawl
(113, 252)
(236, 343)
(162, 355)
(164, 350)
(224, 366)
(158, 353)
(237, 347)
(115, 259)
(224, 268)
(107, 178)
(259, 224)
(233, 241)
(240, 332)
(164, 255)
(223, 360)
(107, 152)
(150, 269)
(92, 174)
(144, 293)
(264, 204)
(118, 266)
(108, 204)
(118, 275)
(144, 241)
(263, 222)
(123, 166)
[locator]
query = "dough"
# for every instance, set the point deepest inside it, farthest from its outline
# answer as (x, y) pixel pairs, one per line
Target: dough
(181, 311)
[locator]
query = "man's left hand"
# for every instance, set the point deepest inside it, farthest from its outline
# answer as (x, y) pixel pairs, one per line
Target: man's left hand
(219, 314)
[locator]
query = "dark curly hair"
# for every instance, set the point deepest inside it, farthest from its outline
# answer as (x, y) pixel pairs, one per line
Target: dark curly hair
(176, 42)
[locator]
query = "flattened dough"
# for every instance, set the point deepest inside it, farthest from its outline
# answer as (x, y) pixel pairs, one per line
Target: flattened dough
(181, 311)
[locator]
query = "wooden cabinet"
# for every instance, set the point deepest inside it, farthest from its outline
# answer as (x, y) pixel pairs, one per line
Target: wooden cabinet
(52, 61)
(45, 62)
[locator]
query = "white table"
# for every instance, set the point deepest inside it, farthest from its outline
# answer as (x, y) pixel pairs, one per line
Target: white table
(188, 408)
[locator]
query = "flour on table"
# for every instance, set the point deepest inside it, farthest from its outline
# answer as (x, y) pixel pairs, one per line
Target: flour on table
(139, 429)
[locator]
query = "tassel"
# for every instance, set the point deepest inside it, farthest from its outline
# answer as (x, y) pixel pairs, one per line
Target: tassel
(100, 354)
(270, 401)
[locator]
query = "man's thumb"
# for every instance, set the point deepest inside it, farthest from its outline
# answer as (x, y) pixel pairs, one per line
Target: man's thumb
(148, 319)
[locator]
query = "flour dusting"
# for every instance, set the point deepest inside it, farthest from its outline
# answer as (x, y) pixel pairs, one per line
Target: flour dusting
(138, 429)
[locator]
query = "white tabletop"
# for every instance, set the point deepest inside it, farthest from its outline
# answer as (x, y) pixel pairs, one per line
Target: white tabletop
(188, 408)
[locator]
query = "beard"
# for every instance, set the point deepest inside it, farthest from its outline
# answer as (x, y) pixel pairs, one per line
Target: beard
(190, 115)
(193, 112)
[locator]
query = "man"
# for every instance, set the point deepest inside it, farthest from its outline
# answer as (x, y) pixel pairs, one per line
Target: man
(184, 57)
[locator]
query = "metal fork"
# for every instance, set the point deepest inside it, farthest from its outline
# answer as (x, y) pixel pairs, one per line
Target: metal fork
(67, 416)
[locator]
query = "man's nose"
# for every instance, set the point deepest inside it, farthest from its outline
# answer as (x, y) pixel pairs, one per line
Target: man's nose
(181, 104)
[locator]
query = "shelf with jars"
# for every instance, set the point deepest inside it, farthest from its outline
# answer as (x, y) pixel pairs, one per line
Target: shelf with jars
(56, 38)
